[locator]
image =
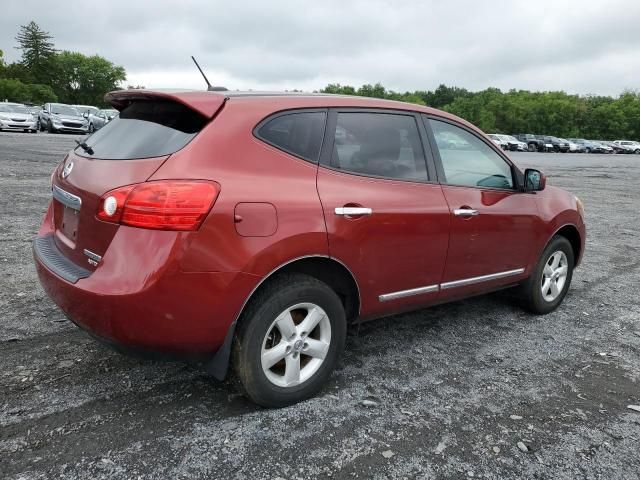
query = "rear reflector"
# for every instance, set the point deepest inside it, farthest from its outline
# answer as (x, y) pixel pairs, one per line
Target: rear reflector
(161, 205)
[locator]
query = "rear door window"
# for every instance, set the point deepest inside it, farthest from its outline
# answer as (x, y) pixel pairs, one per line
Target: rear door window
(298, 133)
(145, 129)
(379, 144)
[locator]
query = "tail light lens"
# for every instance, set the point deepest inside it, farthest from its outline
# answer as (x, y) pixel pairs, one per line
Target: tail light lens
(162, 205)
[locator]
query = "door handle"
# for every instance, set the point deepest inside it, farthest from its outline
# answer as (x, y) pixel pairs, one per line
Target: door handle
(353, 211)
(465, 212)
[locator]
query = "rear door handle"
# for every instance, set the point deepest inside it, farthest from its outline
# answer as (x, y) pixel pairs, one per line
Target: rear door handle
(465, 212)
(353, 211)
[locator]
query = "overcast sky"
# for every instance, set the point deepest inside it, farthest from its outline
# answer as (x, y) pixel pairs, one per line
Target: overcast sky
(588, 46)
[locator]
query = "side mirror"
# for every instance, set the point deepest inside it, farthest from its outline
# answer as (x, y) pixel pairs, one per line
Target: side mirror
(534, 180)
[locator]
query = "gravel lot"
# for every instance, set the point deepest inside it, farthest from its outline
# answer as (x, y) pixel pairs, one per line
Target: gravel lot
(451, 390)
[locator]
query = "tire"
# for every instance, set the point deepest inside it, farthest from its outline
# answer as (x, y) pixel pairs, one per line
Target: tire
(588, 150)
(532, 147)
(534, 300)
(50, 128)
(91, 128)
(637, 151)
(290, 297)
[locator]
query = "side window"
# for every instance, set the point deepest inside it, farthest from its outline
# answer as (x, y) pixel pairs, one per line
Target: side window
(380, 144)
(297, 133)
(467, 160)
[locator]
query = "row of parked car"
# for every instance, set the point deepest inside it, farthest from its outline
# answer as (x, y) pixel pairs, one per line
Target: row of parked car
(54, 117)
(527, 142)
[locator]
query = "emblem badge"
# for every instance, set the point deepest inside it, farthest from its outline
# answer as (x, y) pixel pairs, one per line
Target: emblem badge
(66, 171)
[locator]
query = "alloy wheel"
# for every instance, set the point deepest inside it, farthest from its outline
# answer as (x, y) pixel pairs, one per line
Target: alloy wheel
(295, 345)
(554, 276)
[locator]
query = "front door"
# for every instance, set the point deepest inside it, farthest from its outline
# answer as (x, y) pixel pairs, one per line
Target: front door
(385, 220)
(492, 222)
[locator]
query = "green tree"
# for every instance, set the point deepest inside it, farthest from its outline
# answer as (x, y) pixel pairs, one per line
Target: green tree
(37, 52)
(14, 90)
(85, 80)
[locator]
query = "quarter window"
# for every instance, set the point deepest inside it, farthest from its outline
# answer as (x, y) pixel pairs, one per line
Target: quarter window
(379, 144)
(467, 160)
(297, 133)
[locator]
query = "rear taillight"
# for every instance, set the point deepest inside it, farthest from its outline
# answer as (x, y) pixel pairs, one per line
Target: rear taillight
(160, 205)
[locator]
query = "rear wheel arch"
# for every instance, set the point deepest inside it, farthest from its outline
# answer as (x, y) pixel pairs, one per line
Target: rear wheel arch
(328, 270)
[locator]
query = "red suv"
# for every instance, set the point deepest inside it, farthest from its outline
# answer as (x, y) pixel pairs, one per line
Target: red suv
(251, 229)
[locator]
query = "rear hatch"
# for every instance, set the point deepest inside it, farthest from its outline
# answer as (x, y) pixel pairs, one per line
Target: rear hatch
(126, 151)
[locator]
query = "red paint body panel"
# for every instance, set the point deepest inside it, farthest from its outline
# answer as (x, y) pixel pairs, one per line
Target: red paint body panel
(500, 238)
(401, 246)
(139, 297)
(181, 291)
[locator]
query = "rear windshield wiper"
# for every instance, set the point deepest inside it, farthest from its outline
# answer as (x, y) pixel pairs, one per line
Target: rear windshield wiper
(83, 145)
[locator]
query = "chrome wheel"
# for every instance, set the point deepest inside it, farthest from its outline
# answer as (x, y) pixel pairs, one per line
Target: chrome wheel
(554, 276)
(296, 345)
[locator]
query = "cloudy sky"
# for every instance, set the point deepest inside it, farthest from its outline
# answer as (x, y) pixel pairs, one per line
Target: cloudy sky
(588, 46)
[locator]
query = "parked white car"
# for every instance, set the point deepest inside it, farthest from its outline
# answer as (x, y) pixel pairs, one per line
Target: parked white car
(635, 146)
(513, 143)
(498, 141)
(15, 116)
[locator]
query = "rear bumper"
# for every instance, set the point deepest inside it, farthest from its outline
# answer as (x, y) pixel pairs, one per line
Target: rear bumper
(140, 300)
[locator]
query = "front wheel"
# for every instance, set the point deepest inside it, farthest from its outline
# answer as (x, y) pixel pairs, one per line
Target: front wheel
(549, 282)
(289, 340)
(532, 147)
(91, 128)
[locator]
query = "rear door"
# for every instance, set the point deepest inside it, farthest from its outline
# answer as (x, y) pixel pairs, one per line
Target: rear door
(127, 150)
(386, 220)
(493, 224)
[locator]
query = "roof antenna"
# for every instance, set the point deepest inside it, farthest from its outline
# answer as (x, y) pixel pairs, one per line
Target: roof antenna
(210, 88)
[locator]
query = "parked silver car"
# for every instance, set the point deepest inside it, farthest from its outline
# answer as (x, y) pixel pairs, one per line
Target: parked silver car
(58, 117)
(100, 119)
(15, 116)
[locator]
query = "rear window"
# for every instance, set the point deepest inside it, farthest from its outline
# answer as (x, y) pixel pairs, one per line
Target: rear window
(145, 129)
(298, 133)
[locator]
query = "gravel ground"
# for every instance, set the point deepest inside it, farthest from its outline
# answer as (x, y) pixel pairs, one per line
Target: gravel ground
(456, 391)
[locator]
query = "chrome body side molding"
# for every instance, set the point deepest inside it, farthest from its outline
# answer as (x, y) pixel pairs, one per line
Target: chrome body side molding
(482, 278)
(408, 293)
(447, 285)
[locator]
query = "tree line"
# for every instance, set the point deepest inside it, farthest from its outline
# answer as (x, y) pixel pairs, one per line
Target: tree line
(45, 74)
(521, 111)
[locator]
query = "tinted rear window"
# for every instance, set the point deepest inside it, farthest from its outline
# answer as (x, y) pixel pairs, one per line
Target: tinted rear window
(297, 133)
(145, 129)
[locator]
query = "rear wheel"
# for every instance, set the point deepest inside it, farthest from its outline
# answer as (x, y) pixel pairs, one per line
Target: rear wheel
(549, 282)
(289, 340)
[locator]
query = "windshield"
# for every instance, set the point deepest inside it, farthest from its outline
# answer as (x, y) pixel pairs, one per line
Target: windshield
(86, 109)
(511, 138)
(20, 109)
(5, 108)
(110, 113)
(64, 110)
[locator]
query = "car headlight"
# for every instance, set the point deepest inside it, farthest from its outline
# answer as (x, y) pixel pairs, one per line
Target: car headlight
(580, 207)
